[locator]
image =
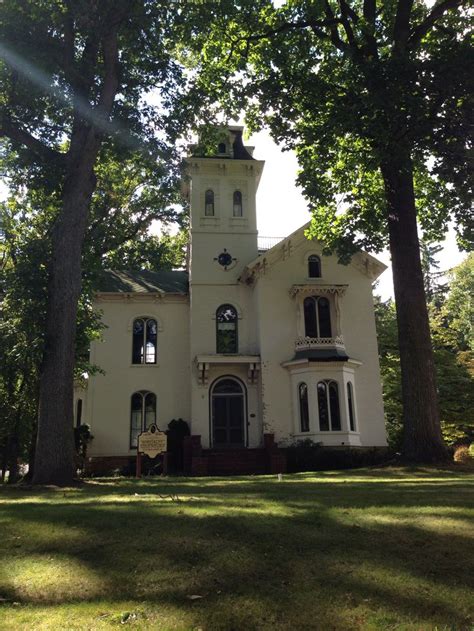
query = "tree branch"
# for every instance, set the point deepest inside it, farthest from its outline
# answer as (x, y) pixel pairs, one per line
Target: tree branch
(401, 29)
(437, 12)
(20, 136)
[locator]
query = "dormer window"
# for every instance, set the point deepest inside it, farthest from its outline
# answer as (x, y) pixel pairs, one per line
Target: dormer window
(222, 148)
(237, 204)
(317, 317)
(209, 203)
(314, 266)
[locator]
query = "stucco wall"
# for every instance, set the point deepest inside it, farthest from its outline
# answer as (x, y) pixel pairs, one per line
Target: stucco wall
(108, 395)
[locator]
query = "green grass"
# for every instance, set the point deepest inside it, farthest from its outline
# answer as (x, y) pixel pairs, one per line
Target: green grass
(366, 549)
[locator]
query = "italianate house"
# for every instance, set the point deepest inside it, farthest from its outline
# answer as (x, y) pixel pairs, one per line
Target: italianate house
(255, 348)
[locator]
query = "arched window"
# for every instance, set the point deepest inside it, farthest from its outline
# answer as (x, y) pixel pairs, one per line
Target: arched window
(328, 406)
(304, 410)
(142, 415)
(314, 266)
(317, 317)
(209, 203)
(237, 204)
(226, 330)
(350, 403)
(221, 147)
(144, 341)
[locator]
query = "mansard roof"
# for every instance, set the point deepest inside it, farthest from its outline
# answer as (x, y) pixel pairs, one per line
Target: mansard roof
(144, 281)
(364, 262)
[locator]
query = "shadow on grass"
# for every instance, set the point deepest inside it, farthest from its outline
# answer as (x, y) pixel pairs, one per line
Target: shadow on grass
(261, 553)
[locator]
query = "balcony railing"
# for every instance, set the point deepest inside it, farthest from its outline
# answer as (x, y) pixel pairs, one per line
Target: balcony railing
(307, 343)
(266, 243)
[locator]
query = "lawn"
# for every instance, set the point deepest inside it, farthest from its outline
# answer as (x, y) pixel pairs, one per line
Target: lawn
(366, 549)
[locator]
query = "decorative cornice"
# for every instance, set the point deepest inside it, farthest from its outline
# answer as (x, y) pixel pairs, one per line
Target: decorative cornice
(311, 289)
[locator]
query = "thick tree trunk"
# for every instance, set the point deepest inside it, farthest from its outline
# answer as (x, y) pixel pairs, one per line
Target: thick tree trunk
(54, 456)
(422, 441)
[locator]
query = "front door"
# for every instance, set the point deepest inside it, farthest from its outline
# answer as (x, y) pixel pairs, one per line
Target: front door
(228, 405)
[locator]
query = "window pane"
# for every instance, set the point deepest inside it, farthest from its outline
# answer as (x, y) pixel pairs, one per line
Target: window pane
(226, 334)
(135, 418)
(237, 204)
(323, 407)
(138, 335)
(150, 410)
(151, 336)
(304, 411)
(350, 402)
(228, 386)
(334, 403)
(324, 317)
(209, 203)
(314, 266)
(310, 318)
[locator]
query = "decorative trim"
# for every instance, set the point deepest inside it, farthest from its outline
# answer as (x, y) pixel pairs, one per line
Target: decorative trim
(146, 316)
(317, 289)
(204, 363)
(304, 343)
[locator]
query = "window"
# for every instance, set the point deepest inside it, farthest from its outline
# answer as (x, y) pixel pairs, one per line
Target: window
(78, 412)
(226, 330)
(304, 410)
(209, 203)
(350, 402)
(143, 414)
(314, 266)
(221, 147)
(237, 204)
(328, 406)
(317, 317)
(144, 341)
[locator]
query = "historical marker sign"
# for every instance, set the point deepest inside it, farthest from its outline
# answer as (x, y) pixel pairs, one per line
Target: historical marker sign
(152, 442)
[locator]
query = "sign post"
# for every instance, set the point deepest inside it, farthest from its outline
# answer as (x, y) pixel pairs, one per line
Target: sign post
(151, 443)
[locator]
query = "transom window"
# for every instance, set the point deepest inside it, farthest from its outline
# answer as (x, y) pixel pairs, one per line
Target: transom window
(226, 330)
(314, 266)
(142, 415)
(304, 409)
(328, 406)
(317, 317)
(237, 212)
(209, 203)
(144, 341)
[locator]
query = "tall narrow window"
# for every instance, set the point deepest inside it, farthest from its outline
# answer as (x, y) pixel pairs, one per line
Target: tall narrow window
(78, 412)
(237, 204)
(304, 410)
(317, 317)
(350, 403)
(221, 147)
(144, 341)
(143, 414)
(226, 330)
(328, 406)
(314, 266)
(209, 203)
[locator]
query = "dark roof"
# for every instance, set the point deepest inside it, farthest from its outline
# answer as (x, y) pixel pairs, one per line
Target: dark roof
(322, 355)
(126, 282)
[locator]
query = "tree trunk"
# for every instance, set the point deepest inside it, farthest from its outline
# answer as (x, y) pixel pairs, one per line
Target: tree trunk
(54, 456)
(422, 439)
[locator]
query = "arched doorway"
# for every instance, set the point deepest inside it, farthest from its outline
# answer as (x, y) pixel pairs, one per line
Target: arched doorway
(228, 413)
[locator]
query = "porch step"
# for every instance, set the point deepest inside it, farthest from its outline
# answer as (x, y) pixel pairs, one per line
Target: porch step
(235, 461)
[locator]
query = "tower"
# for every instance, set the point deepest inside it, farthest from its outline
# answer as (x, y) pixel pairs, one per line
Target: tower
(223, 330)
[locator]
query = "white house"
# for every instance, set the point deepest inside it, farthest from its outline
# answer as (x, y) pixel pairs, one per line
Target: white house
(252, 348)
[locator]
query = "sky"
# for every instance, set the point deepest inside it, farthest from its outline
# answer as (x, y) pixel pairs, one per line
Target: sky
(281, 208)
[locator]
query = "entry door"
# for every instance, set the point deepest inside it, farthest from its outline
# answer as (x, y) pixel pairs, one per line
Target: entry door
(228, 414)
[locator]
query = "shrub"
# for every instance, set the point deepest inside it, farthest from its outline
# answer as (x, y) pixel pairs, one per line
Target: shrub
(308, 456)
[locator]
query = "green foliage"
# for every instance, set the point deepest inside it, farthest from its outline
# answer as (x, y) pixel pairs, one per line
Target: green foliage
(342, 84)
(450, 323)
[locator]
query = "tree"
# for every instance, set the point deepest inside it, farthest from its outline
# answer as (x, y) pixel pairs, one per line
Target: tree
(375, 99)
(124, 204)
(74, 76)
(453, 360)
